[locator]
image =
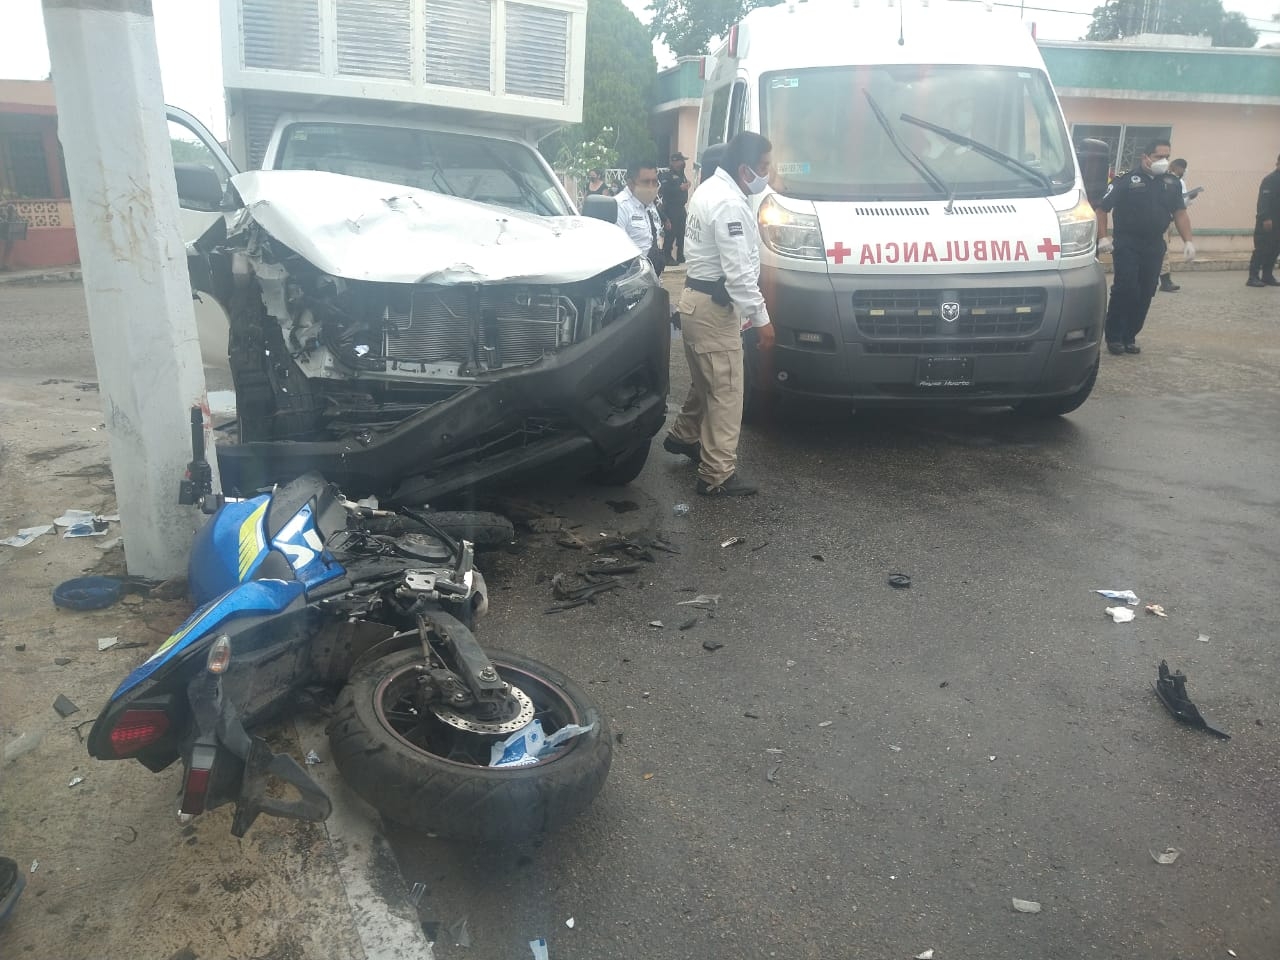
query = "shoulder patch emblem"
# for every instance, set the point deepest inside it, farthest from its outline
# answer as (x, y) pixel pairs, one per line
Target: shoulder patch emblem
(735, 228)
(1135, 179)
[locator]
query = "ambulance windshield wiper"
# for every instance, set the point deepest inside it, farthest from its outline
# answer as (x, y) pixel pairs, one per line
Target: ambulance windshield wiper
(1013, 163)
(927, 173)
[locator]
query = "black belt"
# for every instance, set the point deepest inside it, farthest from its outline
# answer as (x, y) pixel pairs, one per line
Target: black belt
(715, 289)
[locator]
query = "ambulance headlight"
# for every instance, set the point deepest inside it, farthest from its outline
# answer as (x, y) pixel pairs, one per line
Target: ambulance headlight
(789, 233)
(1079, 227)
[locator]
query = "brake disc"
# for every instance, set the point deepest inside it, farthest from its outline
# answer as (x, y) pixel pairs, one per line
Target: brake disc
(461, 722)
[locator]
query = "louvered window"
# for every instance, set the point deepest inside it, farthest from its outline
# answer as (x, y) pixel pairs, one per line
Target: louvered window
(537, 51)
(281, 34)
(373, 39)
(459, 43)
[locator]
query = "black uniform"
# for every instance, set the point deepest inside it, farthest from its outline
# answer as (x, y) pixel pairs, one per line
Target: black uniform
(672, 190)
(1266, 243)
(1141, 205)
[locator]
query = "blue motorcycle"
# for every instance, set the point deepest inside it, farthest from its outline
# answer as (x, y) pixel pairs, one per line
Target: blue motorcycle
(304, 598)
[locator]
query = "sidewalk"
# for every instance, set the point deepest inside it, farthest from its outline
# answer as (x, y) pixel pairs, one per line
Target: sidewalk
(46, 275)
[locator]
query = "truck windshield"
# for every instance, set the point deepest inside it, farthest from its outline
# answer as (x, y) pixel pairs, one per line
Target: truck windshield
(829, 145)
(462, 165)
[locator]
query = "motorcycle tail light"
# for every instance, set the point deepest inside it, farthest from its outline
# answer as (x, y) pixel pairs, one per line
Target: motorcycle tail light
(195, 790)
(137, 729)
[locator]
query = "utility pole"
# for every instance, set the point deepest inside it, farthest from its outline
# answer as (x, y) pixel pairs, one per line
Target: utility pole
(114, 134)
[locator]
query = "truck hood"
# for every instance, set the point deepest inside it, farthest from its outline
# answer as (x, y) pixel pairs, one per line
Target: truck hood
(369, 230)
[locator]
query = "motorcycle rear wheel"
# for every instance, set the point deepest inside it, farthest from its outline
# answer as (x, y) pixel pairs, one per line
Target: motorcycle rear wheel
(422, 773)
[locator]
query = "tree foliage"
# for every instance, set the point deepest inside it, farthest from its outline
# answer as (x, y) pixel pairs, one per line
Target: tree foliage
(617, 96)
(687, 26)
(1124, 18)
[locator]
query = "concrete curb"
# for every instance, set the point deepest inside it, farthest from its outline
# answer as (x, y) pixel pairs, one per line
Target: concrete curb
(33, 277)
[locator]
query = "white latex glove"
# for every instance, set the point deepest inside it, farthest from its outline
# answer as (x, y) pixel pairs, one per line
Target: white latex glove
(1105, 245)
(1188, 251)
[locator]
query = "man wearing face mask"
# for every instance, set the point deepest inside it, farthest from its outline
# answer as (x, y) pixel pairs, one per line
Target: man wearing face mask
(638, 215)
(1142, 201)
(721, 298)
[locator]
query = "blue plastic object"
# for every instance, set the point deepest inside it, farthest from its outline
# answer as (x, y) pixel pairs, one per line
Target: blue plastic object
(88, 593)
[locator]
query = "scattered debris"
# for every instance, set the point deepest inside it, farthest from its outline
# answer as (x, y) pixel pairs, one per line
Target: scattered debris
(106, 643)
(648, 776)
(1169, 855)
(571, 541)
(26, 535)
(1128, 596)
(75, 781)
(88, 593)
(708, 601)
(539, 948)
(312, 758)
(97, 527)
(458, 933)
(771, 774)
(895, 748)
(62, 661)
(657, 623)
(760, 546)
(826, 723)
(1171, 688)
(529, 743)
(711, 645)
(34, 865)
(70, 518)
(689, 624)
(19, 647)
(732, 542)
(790, 664)
(1230, 952)
(944, 684)
(569, 923)
(817, 556)
(750, 715)
(1026, 906)
(991, 758)
(175, 588)
(925, 955)
(545, 524)
(1203, 638)
(1120, 614)
(416, 892)
(622, 506)
(680, 510)
(64, 707)
(564, 587)
(1156, 609)
(899, 581)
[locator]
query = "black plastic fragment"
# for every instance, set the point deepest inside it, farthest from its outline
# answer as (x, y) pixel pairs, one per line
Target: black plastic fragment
(899, 581)
(1171, 688)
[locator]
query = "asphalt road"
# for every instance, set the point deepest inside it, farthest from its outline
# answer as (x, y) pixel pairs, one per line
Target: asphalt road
(913, 759)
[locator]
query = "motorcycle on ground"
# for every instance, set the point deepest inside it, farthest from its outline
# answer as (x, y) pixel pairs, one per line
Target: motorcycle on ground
(305, 597)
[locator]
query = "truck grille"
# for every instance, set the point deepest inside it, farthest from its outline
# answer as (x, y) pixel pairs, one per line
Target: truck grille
(486, 328)
(918, 314)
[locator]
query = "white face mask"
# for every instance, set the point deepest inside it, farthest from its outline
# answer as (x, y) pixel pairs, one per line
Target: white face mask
(1160, 166)
(645, 195)
(757, 183)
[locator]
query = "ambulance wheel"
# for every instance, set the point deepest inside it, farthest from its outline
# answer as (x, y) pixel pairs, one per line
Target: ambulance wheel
(1058, 406)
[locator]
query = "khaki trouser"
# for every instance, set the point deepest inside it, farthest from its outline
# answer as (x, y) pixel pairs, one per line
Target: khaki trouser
(712, 414)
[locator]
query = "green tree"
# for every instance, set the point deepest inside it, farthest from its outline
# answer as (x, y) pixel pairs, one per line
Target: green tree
(617, 95)
(1125, 18)
(687, 26)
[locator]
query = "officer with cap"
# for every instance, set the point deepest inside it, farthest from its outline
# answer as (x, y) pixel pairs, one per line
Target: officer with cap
(721, 297)
(674, 190)
(1142, 202)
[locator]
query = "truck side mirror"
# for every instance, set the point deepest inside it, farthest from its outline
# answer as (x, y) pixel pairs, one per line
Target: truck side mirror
(1094, 157)
(600, 208)
(198, 187)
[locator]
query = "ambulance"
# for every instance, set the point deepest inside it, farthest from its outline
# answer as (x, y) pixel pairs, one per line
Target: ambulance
(926, 238)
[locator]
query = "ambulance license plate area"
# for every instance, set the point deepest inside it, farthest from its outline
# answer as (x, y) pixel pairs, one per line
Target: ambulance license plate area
(943, 372)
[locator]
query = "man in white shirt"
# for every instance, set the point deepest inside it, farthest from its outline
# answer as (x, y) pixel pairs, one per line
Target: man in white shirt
(721, 298)
(638, 212)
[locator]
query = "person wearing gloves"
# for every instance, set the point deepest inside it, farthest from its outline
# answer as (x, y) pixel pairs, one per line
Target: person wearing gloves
(638, 214)
(1141, 203)
(721, 298)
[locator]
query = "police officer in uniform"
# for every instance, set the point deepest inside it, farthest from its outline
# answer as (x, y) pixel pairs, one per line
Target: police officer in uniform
(1266, 232)
(721, 298)
(675, 195)
(638, 213)
(1141, 202)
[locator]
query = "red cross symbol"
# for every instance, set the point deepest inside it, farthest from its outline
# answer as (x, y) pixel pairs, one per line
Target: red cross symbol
(839, 252)
(1048, 248)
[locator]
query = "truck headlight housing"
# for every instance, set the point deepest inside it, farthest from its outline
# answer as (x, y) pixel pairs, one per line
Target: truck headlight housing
(789, 233)
(630, 288)
(1079, 227)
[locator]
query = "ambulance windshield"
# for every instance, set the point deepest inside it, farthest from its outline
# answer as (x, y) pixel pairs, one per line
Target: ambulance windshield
(828, 144)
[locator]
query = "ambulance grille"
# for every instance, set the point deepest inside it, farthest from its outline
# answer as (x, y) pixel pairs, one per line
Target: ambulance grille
(918, 314)
(980, 208)
(950, 348)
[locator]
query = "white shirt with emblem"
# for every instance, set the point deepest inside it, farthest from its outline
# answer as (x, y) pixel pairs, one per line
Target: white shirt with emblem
(641, 223)
(721, 239)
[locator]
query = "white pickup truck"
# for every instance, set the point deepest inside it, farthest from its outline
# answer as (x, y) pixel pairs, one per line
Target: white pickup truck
(410, 302)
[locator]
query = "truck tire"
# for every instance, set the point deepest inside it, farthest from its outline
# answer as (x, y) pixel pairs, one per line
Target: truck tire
(1058, 406)
(624, 469)
(432, 788)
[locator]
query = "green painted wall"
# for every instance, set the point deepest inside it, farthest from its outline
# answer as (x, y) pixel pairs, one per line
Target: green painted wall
(1178, 71)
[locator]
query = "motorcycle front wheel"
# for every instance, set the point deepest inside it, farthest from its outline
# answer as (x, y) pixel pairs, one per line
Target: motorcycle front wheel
(420, 771)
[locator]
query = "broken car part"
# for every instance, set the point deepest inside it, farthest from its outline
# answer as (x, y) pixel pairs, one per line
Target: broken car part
(1171, 688)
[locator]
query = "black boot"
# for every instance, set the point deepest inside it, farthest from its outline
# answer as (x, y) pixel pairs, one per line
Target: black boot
(1167, 285)
(1253, 281)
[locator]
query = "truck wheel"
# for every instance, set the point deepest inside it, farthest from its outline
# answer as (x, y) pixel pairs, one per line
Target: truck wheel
(426, 774)
(624, 469)
(1057, 406)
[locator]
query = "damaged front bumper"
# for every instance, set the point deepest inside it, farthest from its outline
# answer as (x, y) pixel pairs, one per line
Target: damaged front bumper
(587, 405)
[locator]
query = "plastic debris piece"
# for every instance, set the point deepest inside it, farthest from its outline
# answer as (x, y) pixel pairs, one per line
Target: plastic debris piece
(772, 774)
(689, 624)
(539, 948)
(648, 776)
(458, 933)
(925, 955)
(571, 540)
(88, 593)
(899, 581)
(708, 601)
(64, 707)
(826, 723)
(817, 556)
(416, 892)
(751, 714)
(106, 643)
(1169, 855)
(565, 734)
(773, 750)
(1121, 614)
(1128, 596)
(657, 623)
(312, 758)
(895, 749)
(528, 743)
(1171, 688)
(1203, 638)
(711, 645)
(991, 758)
(732, 542)
(34, 865)
(19, 647)
(25, 535)
(1230, 952)
(61, 661)
(569, 923)
(1026, 906)
(680, 510)
(76, 781)
(70, 518)
(1155, 608)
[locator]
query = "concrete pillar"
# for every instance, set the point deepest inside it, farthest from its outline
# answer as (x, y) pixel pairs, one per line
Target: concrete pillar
(115, 139)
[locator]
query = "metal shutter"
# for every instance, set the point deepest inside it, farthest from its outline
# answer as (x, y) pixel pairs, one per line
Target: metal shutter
(281, 34)
(537, 51)
(459, 42)
(373, 39)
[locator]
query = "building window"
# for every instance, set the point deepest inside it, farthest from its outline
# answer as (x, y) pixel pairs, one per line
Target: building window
(26, 167)
(1125, 142)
